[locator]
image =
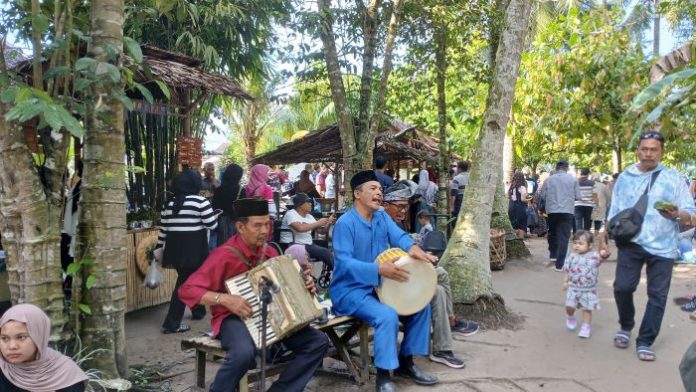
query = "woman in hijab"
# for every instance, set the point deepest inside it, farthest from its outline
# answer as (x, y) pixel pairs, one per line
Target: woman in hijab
(258, 188)
(517, 195)
(306, 186)
(183, 234)
(27, 363)
(223, 198)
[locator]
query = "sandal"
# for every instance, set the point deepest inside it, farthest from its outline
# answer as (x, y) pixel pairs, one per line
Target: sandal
(645, 353)
(622, 339)
(182, 328)
(689, 306)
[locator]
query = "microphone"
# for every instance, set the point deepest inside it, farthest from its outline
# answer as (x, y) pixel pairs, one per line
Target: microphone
(271, 285)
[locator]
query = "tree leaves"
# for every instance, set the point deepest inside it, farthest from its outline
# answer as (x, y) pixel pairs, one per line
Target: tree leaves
(30, 103)
(133, 49)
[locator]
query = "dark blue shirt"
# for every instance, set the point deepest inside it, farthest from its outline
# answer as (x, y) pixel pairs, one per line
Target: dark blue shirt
(384, 180)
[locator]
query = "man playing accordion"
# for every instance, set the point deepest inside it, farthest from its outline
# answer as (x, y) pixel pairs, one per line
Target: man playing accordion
(206, 286)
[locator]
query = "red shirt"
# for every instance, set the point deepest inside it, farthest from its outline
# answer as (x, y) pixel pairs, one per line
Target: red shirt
(220, 265)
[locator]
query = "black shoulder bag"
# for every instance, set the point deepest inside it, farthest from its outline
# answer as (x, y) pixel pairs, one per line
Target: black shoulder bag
(625, 225)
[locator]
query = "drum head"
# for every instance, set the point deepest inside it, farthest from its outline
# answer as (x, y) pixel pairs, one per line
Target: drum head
(413, 295)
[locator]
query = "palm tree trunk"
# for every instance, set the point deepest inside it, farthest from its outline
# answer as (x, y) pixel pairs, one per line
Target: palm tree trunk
(103, 219)
(30, 230)
(30, 221)
(441, 37)
(656, 29)
(467, 255)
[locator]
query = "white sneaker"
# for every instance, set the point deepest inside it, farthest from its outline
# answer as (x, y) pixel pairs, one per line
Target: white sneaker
(571, 322)
(585, 331)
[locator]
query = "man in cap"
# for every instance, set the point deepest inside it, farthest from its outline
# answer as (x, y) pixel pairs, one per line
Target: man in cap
(206, 286)
(395, 205)
(360, 235)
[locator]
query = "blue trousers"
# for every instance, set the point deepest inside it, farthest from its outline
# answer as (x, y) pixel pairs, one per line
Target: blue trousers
(385, 321)
(308, 344)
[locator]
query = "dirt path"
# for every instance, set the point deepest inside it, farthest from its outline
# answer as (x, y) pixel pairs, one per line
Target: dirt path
(540, 356)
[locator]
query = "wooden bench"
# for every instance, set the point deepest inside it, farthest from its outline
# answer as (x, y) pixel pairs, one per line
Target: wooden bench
(340, 331)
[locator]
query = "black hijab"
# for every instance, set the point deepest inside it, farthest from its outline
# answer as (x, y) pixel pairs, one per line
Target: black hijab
(228, 191)
(187, 183)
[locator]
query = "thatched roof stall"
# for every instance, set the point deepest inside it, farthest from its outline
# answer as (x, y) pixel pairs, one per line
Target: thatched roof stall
(398, 141)
(167, 132)
(164, 131)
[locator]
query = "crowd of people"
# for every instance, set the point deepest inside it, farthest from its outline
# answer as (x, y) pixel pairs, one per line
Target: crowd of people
(387, 212)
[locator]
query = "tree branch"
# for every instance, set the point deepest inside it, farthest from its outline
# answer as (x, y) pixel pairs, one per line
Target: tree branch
(386, 68)
(37, 73)
(370, 25)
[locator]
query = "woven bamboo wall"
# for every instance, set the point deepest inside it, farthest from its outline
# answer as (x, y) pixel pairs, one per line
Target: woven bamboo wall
(138, 296)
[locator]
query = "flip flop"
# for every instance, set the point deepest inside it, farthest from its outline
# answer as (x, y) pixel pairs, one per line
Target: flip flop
(689, 306)
(645, 353)
(622, 339)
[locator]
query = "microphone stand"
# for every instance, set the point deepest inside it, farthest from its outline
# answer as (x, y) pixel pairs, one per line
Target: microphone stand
(265, 287)
(266, 298)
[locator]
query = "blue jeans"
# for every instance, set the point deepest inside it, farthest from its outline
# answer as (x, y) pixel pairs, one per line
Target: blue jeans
(659, 273)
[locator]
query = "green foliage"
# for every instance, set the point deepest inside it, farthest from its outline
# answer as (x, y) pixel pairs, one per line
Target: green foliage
(413, 91)
(230, 36)
(74, 270)
(575, 88)
(28, 103)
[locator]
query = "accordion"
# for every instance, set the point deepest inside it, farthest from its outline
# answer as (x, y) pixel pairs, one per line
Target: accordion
(292, 307)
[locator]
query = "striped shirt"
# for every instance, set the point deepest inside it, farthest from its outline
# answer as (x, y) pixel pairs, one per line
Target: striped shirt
(196, 214)
(586, 190)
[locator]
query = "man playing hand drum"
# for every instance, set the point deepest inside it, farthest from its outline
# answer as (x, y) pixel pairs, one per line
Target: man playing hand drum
(360, 235)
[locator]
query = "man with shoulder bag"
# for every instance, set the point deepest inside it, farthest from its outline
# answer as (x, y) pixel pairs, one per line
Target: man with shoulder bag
(649, 201)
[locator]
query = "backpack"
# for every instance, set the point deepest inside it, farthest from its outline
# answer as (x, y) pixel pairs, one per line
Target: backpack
(625, 225)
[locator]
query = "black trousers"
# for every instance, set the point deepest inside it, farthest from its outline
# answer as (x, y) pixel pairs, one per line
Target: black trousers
(176, 308)
(583, 218)
(659, 273)
(321, 253)
(308, 344)
(560, 225)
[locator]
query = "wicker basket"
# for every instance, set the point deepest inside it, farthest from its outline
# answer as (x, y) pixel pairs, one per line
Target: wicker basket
(498, 249)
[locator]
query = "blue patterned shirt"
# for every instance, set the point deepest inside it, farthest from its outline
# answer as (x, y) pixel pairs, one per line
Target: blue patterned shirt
(658, 235)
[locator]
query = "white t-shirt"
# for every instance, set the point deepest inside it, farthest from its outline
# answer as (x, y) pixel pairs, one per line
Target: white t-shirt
(460, 180)
(291, 217)
(330, 187)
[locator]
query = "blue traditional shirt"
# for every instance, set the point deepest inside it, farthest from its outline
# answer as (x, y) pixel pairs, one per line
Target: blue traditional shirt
(356, 244)
(658, 235)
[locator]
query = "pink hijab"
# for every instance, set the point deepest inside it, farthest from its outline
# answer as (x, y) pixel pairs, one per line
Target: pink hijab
(299, 252)
(51, 370)
(257, 180)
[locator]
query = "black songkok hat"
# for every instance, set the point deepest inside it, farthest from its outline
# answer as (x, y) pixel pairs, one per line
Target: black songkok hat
(244, 208)
(362, 177)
